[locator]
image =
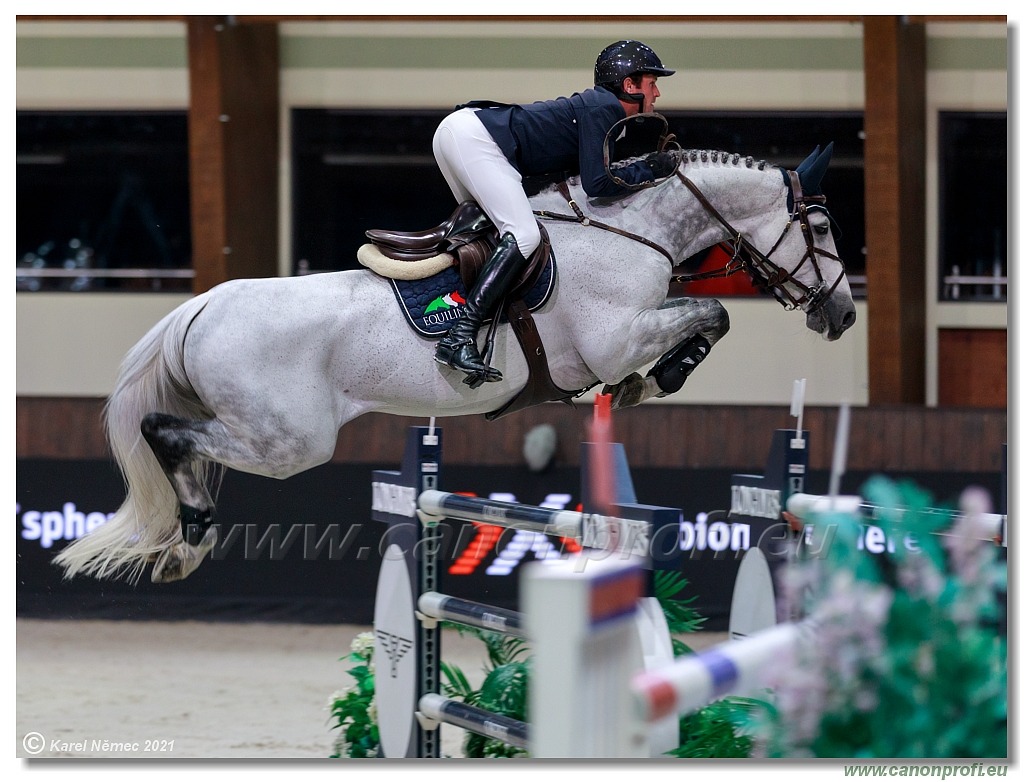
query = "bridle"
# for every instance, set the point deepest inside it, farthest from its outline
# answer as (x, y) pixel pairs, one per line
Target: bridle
(764, 272)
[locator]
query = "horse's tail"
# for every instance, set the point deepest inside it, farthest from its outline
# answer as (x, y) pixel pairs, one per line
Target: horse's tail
(152, 379)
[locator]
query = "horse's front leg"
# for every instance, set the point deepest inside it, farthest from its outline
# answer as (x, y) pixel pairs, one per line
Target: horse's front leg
(692, 327)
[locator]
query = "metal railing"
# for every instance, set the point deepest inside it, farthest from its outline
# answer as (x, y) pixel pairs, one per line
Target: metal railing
(31, 279)
(111, 273)
(974, 287)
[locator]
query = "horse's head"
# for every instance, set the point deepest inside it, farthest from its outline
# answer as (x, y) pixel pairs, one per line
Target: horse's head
(830, 310)
(788, 248)
(801, 268)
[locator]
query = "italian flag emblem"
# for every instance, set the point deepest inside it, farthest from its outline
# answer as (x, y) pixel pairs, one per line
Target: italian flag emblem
(445, 302)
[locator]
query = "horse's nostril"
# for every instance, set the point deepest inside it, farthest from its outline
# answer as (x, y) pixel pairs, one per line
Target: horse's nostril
(849, 319)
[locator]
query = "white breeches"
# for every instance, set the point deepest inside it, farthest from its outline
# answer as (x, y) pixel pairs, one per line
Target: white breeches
(476, 169)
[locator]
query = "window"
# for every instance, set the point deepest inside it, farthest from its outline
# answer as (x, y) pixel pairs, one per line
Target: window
(354, 170)
(103, 201)
(972, 206)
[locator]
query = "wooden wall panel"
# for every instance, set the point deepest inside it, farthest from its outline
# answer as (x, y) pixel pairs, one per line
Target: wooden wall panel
(233, 149)
(894, 184)
(972, 367)
(894, 437)
(49, 428)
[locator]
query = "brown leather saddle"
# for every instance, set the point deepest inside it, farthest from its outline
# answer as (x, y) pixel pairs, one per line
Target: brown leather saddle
(470, 237)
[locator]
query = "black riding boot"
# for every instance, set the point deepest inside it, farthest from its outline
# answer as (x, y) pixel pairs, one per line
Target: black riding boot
(457, 348)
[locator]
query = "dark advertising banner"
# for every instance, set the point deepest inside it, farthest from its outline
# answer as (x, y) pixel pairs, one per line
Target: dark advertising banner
(305, 549)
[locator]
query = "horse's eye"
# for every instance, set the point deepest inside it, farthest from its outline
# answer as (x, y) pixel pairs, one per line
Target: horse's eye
(822, 229)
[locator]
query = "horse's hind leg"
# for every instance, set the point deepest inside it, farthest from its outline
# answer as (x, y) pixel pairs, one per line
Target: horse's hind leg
(265, 444)
(174, 443)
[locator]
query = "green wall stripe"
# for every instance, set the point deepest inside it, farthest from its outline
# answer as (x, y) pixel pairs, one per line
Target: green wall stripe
(752, 54)
(967, 54)
(689, 54)
(116, 52)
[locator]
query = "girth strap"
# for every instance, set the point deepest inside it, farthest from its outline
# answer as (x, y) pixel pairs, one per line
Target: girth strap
(539, 385)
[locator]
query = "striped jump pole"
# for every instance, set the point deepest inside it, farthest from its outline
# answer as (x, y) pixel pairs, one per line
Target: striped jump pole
(436, 607)
(435, 709)
(987, 526)
(731, 668)
(594, 531)
(446, 505)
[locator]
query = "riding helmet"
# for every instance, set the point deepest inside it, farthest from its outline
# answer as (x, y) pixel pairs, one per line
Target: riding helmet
(624, 58)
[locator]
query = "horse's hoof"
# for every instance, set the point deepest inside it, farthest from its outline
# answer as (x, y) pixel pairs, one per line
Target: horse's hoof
(178, 561)
(629, 392)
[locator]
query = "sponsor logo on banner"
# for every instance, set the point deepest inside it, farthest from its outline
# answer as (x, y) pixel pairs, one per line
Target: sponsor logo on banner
(754, 501)
(707, 535)
(394, 499)
(52, 526)
(613, 534)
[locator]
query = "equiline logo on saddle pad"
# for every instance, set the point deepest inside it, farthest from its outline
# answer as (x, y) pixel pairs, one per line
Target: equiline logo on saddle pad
(431, 305)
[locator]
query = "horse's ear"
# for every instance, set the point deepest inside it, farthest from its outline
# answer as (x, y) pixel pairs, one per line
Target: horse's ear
(813, 171)
(808, 161)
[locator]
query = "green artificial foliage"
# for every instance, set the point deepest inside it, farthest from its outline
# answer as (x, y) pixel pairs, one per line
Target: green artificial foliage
(908, 660)
(680, 615)
(503, 690)
(353, 710)
(718, 730)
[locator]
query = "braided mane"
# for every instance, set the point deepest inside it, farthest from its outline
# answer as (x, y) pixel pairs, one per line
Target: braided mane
(716, 156)
(726, 158)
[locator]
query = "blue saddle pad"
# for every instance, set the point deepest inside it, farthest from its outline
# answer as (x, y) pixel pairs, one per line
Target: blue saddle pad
(433, 304)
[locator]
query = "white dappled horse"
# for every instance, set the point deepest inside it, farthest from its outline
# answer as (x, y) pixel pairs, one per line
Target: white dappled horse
(259, 375)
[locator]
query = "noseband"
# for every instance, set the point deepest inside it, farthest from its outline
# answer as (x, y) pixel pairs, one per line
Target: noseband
(765, 273)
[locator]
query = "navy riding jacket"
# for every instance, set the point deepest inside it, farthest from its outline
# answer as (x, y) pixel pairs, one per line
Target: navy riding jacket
(565, 135)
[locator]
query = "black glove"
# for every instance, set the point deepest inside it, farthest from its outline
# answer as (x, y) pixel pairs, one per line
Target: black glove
(662, 163)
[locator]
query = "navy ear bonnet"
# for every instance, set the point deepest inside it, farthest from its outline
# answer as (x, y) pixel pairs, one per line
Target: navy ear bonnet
(811, 171)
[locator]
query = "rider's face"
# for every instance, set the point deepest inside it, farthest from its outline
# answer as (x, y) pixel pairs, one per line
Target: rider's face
(646, 86)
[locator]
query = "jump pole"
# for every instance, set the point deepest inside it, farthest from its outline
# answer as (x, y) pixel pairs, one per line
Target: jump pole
(410, 603)
(988, 526)
(435, 709)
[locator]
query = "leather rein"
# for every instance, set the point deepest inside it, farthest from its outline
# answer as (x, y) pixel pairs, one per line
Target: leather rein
(763, 271)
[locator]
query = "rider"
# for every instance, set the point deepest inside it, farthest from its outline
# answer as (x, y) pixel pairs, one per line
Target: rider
(484, 149)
